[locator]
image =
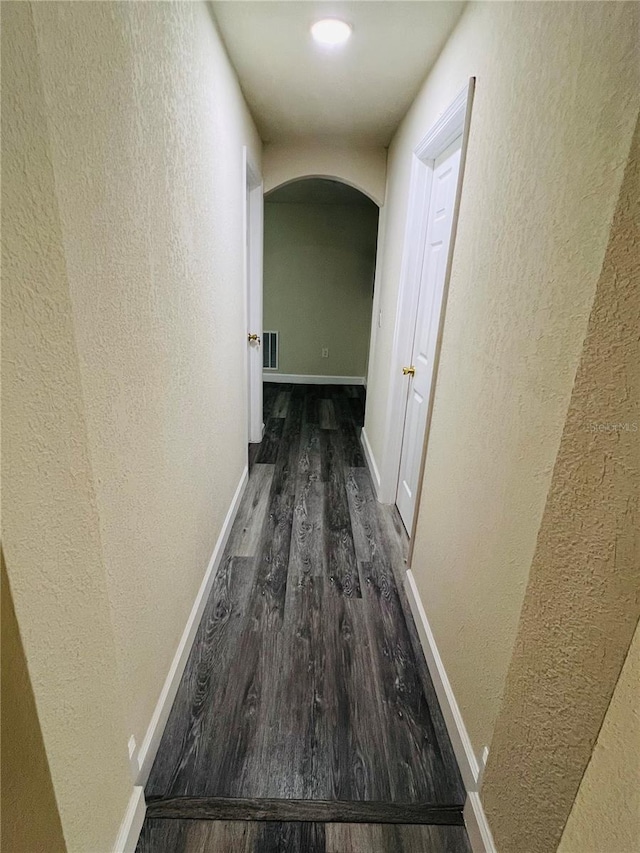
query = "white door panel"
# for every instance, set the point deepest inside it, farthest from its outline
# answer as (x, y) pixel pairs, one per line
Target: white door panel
(439, 224)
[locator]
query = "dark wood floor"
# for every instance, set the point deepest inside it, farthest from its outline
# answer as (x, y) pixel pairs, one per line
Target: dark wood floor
(306, 684)
(216, 836)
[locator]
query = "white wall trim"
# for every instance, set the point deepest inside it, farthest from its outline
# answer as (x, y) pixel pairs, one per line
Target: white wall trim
(371, 462)
(460, 740)
(475, 820)
(132, 822)
(443, 132)
(153, 736)
(300, 379)
(447, 127)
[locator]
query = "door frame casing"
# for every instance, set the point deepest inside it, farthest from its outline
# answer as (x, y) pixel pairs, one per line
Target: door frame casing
(253, 224)
(453, 122)
(426, 325)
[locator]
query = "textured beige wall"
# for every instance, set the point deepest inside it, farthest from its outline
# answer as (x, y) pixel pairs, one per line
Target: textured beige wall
(555, 103)
(153, 246)
(123, 128)
(362, 168)
(318, 285)
(30, 819)
(51, 534)
(582, 602)
(606, 813)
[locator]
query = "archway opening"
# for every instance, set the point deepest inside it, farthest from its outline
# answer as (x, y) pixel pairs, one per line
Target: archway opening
(320, 239)
(312, 183)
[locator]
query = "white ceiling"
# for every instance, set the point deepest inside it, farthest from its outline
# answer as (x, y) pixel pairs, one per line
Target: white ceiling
(357, 93)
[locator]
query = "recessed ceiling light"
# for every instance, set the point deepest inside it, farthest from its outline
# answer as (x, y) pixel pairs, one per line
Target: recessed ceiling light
(331, 31)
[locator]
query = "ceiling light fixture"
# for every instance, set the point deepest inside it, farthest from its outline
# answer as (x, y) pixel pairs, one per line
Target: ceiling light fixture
(331, 32)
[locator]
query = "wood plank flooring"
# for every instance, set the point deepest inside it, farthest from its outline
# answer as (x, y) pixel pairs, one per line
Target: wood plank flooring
(215, 836)
(306, 681)
(359, 811)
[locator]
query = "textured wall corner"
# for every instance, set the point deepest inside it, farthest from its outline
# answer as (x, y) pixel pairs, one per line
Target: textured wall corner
(122, 204)
(606, 813)
(50, 533)
(26, 781)
(583, 597)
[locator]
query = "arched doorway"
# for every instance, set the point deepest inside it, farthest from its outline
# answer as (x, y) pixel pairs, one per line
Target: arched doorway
(320, 238)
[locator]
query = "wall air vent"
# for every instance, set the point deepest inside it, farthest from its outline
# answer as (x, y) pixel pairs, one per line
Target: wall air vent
(270, 348)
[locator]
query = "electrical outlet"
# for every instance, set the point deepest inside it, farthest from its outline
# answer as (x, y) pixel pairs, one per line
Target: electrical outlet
(325, 352)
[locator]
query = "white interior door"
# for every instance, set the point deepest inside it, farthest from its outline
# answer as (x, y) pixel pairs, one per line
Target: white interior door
(439, 224)
(253, 278)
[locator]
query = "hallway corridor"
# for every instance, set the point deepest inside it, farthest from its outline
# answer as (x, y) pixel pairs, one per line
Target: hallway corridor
(305, 697)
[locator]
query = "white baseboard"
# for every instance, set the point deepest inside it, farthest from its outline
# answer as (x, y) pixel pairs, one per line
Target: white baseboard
(300, 379)
(261, 436)
(132, 823)
(465, 755)
(153, 736)
(371, 462)
(475, 819)
(477, 825)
